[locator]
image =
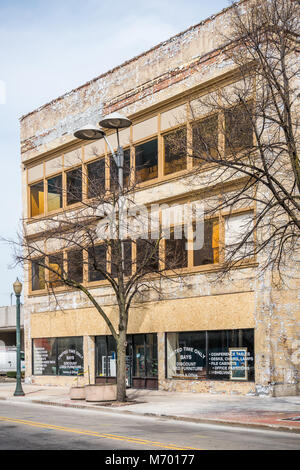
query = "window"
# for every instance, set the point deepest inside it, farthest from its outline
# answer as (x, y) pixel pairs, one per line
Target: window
(126, 168)
(44, 356)
(146, 167)
(214, 355)
(209, 253)
(238, 129)
(37, 199)
(205, 139)
(97, 260)
(56, 266)
(74, 186)
(237, 226)
(106, 356)
(176, 252)
(58, 356)
(116, 256)
(96, 178)
(175, 151)
(231, 355)
(38, 274)
(75, 265)
(114, 177)
(69, 356)
(147, 255)
(54, 197)
(186, 353)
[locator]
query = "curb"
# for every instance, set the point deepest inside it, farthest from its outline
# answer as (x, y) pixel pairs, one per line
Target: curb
(222, 422)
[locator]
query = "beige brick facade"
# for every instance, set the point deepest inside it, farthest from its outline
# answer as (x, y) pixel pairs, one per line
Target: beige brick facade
(153, 90)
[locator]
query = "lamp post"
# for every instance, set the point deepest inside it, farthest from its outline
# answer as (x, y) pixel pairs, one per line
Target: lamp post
(91, 132)
(112, 121)
(18, 289)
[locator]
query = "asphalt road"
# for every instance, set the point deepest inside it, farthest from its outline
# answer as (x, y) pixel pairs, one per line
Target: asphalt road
(27, 426)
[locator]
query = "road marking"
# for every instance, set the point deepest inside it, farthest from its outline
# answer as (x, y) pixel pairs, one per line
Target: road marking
(133, 440)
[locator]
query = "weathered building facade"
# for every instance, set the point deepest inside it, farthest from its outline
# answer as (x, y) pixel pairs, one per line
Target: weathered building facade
(186, 338)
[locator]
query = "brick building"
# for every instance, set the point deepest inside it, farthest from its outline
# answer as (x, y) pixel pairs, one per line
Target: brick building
(186, 338)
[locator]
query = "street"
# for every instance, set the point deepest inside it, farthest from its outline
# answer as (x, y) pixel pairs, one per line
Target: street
(38, 427)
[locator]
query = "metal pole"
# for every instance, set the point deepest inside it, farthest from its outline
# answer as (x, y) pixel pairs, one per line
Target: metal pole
(19, 391)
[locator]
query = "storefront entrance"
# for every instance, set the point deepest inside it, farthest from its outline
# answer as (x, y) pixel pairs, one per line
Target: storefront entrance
(141, 361)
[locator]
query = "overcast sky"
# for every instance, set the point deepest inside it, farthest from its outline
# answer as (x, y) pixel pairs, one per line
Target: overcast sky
(50, 47)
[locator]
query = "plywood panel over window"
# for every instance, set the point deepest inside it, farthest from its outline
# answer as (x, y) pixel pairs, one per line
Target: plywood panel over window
(173, 117)
(73, 158)
(53, 166)
(35, 173)
(145, 129)
(96, 149)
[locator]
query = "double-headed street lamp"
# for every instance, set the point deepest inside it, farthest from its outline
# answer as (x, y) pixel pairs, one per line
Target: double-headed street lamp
(90, 132)
(18, 289)
(112, 121)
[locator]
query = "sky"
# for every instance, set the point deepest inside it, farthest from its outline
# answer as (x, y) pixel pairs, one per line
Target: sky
(47, 48)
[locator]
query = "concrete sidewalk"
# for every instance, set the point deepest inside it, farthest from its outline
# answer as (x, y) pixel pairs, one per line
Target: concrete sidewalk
(274, 413)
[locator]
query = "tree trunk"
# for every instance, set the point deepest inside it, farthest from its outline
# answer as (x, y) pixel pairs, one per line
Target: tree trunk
(121, 367)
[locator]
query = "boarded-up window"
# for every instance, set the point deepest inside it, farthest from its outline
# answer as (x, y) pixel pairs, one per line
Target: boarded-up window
(238, 129)
(37, 199)
(237, 227)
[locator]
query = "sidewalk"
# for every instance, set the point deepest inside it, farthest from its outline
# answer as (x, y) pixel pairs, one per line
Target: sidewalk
(274, 413)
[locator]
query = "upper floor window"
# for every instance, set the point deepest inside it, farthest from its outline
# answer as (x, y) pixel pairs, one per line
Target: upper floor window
(74, 186)
(75, 265)
(237, 227)
(97, 262)
(56, 269)
(54, 190)
(37, 199)
(205, 139)
(175, 151)
(238, 129)
(146, 161)
(38, 274)
(209, 252)
(176, 249)
(96, 178)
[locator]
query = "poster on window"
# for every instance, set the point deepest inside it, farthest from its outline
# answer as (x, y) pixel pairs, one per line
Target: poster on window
(238, 364)
(44, 356)
(70, 356)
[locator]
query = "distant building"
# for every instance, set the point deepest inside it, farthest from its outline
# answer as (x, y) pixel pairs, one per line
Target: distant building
(8, 326)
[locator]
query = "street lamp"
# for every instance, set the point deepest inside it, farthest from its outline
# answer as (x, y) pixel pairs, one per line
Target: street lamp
(90, 132)
(18, 289)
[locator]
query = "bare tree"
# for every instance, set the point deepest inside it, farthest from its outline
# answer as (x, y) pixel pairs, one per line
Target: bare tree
(107, 236)
(250, 131)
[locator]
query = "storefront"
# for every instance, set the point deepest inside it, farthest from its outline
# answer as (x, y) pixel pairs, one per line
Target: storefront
(57, 356)
(210, 355)
(141, 360)
(195, 356)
